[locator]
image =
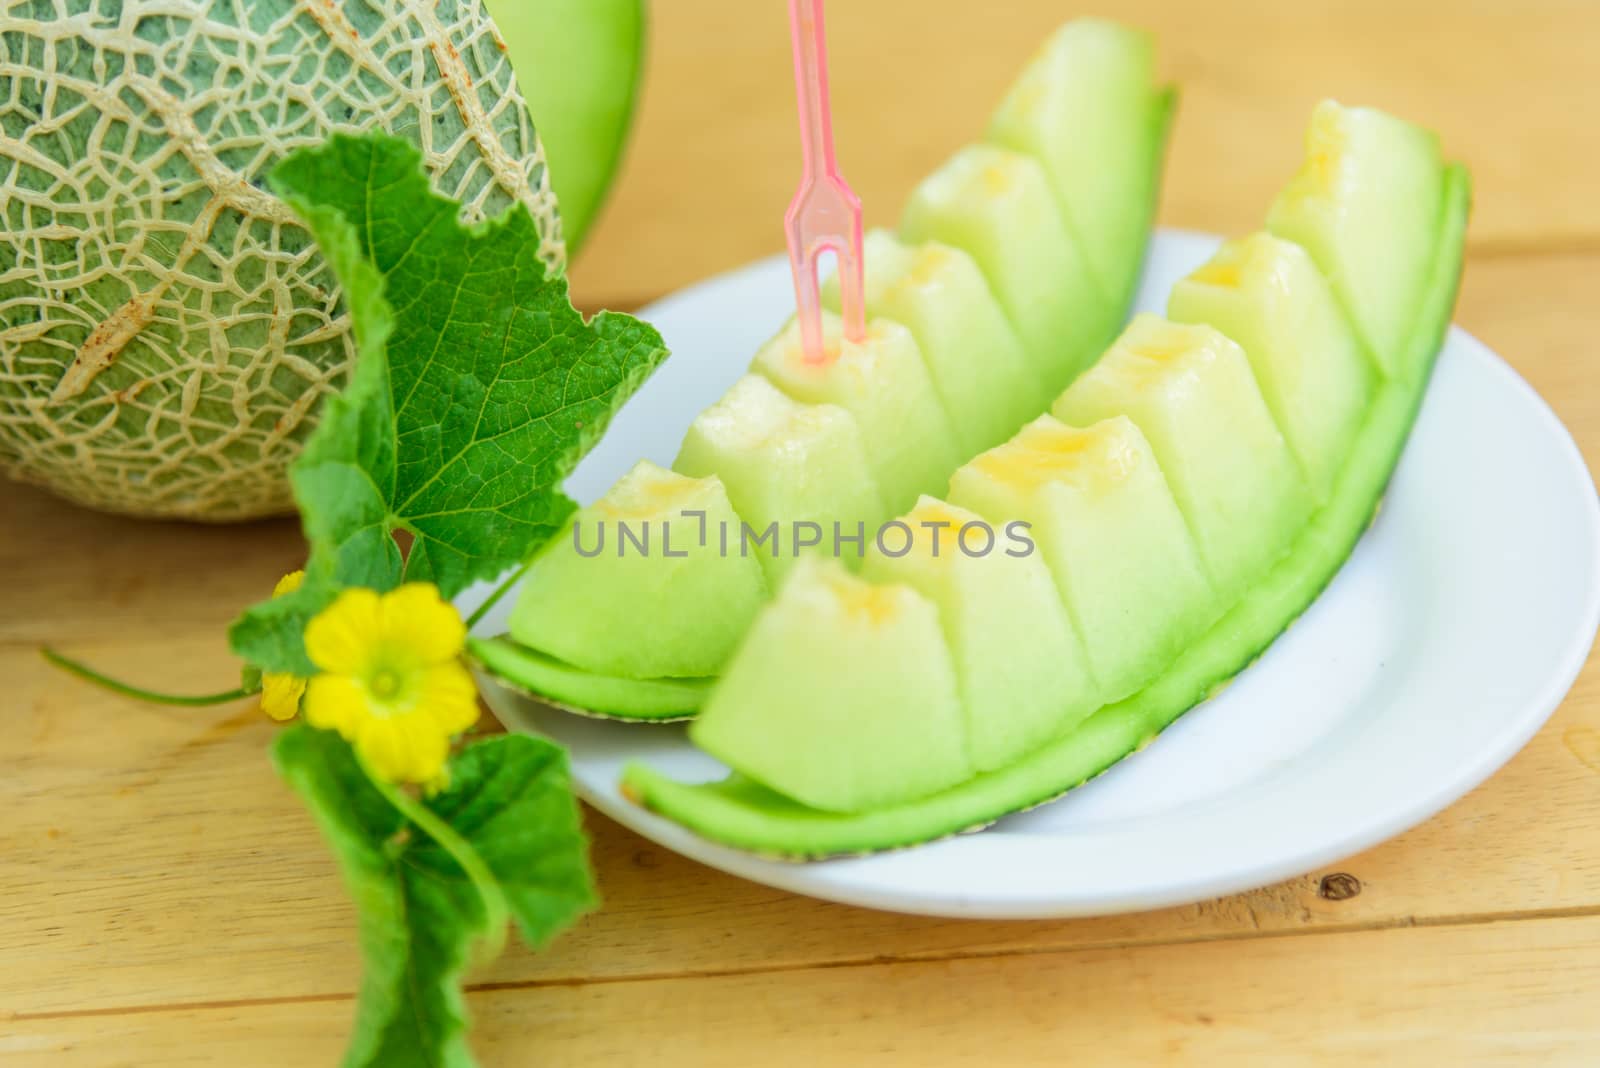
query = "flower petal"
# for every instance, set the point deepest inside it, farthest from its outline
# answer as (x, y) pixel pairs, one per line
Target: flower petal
(289, 583)
(403, 749)
(280, 695)
(337, 703)
(343, 636)
(420, 626)
(447, 697)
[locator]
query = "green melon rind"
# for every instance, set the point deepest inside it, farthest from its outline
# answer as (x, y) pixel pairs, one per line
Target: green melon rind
(572, 689)
(746, 815)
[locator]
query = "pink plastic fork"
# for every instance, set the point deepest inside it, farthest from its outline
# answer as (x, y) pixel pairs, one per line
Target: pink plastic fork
(825, 212)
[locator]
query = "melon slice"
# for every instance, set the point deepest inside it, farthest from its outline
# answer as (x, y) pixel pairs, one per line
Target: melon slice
(843, 696)
(745, 814)
(1191, 391)
(978, 366)
(884, 384)
(1021, 669)
(1366, 205)
(572, 689)
(1108, 527)
(1267, 294)
(997, 205)
(782, 462)
(635, 585)
(1088, 108)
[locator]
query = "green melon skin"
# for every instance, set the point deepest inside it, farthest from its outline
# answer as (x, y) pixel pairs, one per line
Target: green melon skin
(668, 603)
(982, 375)
(1089, 109)
(1106, 524)
(167, 327)
(1191, 391)
(998, 206)
(883, 382)
(782, 462)
(586, 693)
(862, 665)
(1363, 206)
(746, 815)
(579, 64)
(1023, 675)
(1316, 376)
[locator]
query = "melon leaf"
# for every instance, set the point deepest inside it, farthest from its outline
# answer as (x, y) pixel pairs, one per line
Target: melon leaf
(477, 389)
(419, 912)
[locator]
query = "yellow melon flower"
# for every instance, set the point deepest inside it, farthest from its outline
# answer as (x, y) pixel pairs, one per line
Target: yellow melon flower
(392, 680)
(281, 691)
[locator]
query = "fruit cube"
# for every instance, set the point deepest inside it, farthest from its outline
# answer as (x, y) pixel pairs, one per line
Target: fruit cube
(782, 462)
(1267, 294)
(1191, 391)
(842, 697)
(978, 366)
(882, 382)
(635, 585)
(1103, 519)
(1022, 672)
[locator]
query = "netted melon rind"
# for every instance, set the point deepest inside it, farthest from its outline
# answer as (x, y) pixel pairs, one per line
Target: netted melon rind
(166, 327)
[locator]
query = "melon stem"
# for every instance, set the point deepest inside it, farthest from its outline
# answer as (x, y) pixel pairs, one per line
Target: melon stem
(499, 592)
(106, 682)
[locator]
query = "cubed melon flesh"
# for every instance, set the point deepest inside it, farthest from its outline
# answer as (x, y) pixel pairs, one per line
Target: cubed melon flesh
(1316, 376)
(881, 381)
(1088, 108)
(982, 375)
(1366, 204)
(997, 205)
(635, 587)
(1108, 527)
(783, 462)
(1191, 391)
(1022, 672)
(842, 696)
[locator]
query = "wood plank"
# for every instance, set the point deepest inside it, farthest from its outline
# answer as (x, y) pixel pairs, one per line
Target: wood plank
(1499, 994)
(119, 858)
(714, 157)
(136, 833)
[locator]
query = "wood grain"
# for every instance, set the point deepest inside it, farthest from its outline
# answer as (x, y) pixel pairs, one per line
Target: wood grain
(715, 157)
(164, 900)
(1511, 994)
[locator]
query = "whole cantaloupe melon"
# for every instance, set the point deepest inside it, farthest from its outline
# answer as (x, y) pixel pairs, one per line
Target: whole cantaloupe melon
(166, 326)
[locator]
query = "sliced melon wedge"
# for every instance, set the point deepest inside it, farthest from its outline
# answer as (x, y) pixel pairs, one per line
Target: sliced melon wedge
(1107, 525)
(997, 205)
(1191, 391)
(1088, 108)
(1317, 377)
(583, 692)
(1365, 204)
(977, 364)
(748, 815)
(878, 683)
(882, 382)
(602, 594)
(783, 463)
(1021, 668)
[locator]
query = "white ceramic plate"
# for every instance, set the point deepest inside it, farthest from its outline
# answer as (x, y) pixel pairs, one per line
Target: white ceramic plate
(1446, 641)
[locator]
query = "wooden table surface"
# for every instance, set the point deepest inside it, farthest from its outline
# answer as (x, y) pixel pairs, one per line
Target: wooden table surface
(165, 901)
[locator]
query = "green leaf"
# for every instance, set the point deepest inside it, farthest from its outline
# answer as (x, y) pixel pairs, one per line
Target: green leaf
(420, 914)
(510, 797)
(477, 389)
